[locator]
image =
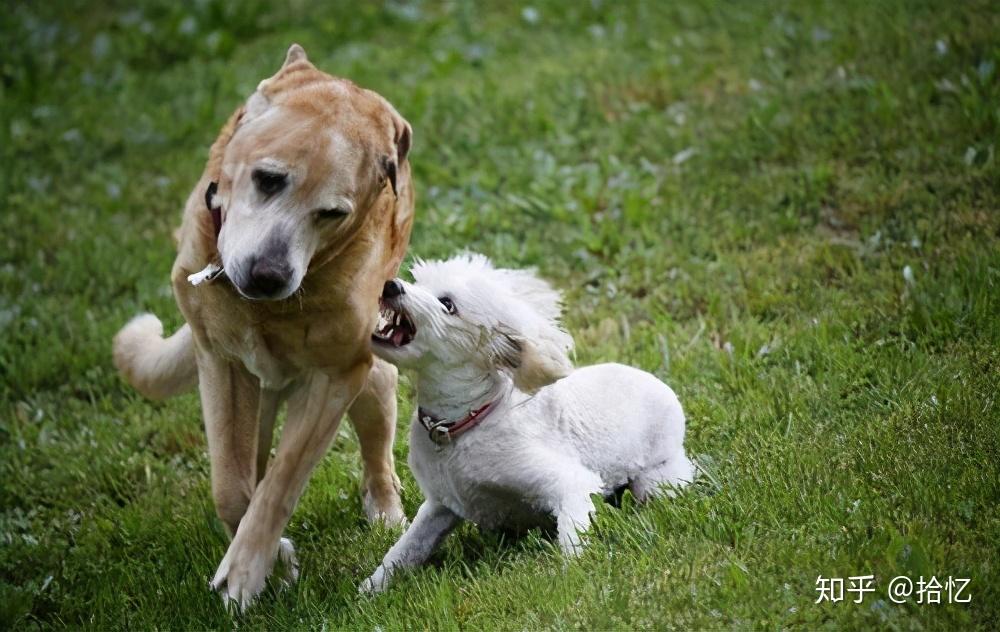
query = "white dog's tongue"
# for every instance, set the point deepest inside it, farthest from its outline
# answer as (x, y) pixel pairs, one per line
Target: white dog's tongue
(397, 337)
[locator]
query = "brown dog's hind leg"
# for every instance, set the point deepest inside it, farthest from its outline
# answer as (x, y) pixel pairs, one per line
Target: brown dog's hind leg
(267, 412)
(373, 415)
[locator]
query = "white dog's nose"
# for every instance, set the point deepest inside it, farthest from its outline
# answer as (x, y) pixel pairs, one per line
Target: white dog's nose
(393, 288)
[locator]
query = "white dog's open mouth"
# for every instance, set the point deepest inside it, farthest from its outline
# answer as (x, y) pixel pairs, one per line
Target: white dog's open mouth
(394, 326)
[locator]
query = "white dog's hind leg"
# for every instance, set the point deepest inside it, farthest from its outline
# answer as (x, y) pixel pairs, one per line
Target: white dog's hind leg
(432, 523)
(663, 479)
(569, 500)
(573, 520)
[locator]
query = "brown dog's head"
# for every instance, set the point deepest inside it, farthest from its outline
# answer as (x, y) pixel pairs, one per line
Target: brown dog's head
(298, 168)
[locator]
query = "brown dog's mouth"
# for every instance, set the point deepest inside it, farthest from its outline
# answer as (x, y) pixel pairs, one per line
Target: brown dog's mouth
(394, 328)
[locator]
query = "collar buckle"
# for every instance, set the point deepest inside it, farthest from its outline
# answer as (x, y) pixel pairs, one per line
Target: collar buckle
(443, 432)
(440, 435)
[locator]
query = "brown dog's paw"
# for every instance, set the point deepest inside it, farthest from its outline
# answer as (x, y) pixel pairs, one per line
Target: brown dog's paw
(384, 507)
(242, 574)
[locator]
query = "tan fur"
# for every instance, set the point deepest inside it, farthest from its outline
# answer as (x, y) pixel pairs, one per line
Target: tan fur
(311, 349)
(540, 363)
(158, 368)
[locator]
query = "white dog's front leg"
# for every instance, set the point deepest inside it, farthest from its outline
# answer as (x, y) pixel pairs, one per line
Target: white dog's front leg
(433, 522)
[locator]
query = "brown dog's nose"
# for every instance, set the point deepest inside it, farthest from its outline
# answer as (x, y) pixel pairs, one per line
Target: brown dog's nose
(267, 278)
(393, 288)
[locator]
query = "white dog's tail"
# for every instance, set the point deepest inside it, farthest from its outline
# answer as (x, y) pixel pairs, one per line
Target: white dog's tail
(155, 366)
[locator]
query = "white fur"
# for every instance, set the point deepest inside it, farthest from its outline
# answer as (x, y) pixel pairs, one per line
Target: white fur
(533, 458)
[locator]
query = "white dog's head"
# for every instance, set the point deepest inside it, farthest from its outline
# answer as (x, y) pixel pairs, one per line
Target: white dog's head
(464, 311)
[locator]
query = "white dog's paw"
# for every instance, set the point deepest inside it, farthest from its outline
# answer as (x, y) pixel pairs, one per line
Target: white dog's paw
(241, 575)
(288, 562)
(571, 550)
(375, 584)
(571, 543)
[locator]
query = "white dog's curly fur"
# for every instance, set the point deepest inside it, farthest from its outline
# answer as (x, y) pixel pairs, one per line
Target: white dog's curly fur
(477, 335)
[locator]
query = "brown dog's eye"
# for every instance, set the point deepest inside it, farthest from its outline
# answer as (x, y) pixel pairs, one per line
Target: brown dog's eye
(331, 213)
(449, 305)
(269, 182)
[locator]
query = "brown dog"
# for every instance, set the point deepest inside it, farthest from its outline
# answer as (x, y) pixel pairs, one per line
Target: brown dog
(306, 203)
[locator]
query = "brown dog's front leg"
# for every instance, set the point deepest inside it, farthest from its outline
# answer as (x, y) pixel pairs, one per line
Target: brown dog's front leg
(314, 413)
(230, 399)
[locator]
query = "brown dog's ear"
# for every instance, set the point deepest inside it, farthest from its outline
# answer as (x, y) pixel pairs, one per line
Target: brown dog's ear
(401, 138)
(389, 169)
(533, 364)
(259, 99)
(295, 53)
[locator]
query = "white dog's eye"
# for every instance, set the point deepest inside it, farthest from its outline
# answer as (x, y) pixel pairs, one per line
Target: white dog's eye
(449, 305)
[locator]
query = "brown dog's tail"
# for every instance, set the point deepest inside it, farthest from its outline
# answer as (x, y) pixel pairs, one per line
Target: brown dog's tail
(155, 366)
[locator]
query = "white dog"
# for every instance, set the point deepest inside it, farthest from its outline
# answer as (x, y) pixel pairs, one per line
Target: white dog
(494, 440)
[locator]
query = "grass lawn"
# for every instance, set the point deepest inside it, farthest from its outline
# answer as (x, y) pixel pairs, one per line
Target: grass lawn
(790, 212)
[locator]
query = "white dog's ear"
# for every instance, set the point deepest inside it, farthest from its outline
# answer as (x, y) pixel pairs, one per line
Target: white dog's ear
(533, 363)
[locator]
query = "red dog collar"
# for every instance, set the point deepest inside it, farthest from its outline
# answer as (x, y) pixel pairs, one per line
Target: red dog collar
(443, 431)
